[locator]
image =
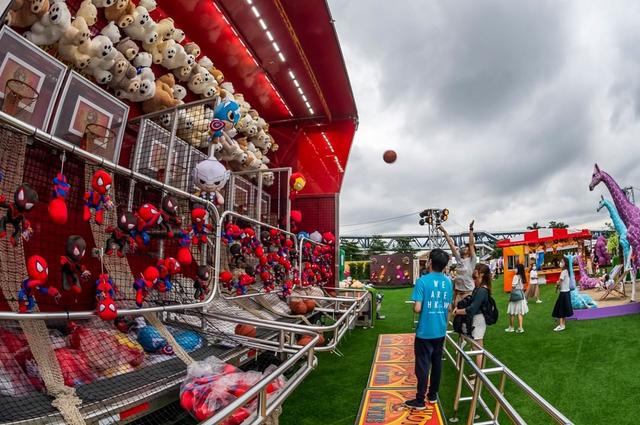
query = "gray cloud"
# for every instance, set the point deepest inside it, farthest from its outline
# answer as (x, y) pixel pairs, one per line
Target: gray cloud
(497, 109)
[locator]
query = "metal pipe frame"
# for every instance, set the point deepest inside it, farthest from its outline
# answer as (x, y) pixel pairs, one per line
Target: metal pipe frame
(462, 358)
(56, 142)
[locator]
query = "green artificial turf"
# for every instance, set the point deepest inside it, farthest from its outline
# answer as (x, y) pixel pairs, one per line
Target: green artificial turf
(588, 371)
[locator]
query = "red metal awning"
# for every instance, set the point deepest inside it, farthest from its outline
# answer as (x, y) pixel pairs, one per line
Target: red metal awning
(285, 57)
(545, 235)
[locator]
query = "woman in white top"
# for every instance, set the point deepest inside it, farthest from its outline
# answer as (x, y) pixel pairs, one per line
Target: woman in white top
(517, 301)
(563, 307)
(534, 289)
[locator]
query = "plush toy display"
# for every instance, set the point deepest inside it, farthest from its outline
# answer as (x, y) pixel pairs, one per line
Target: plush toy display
(38, 272)
(103, 57)
(128, 48)
(225, 116)
(148, 217)
(121, 12)
(163, 95)
(120, 238)
(24, 13)
(73, 271)
(112, 32)
(146, 281)
(210, 176)
(143, 28)
(51, 26)
(97, 199)
(24, 199)
(88, 12)
(106, 308)
(57, 206)
(201, 283)
(167, 268)
(200, 229)
(73, 46)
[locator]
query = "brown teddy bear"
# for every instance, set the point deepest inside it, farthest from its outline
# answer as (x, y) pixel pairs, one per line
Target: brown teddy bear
(121, 12)
(24, 13)
(163, 98)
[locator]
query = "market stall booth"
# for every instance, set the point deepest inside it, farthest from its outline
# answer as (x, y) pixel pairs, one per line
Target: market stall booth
(543, 247)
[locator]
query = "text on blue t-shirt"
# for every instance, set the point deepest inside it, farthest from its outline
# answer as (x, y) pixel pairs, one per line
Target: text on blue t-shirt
(435, 292)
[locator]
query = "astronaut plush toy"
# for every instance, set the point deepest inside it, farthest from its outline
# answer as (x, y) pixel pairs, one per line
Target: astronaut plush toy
(210, 176)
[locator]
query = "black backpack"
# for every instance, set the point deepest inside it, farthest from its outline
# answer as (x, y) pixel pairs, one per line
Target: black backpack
(490, 311)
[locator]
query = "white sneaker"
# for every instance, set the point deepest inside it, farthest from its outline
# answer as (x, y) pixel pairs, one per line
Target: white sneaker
(539, 302)
(558, 328)
(509, 329)
(520, 330)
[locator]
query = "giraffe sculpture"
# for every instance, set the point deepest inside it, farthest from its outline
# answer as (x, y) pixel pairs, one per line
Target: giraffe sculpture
(620, 227)
(578, 300)
(629, 213)
(586, 282)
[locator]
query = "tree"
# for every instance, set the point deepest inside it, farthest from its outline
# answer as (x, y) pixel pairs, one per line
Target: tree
(352, 252)
(612, 244)
(533, 226)
(403, 245)
(377, 246)
(557, 225)
(367, 271)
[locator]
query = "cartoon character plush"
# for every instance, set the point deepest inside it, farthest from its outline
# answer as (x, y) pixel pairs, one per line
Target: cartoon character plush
(24, 13)
(121, 12)
(106, 308)
(97, 199)
(148, 216)
(73, 271)
(120, 238)
(210, 176)
(297, 182)
(37, 272)
(24, 199)
(200, 229)
(146, 281)
(143, 28)
(170, 215)
(167, 268)
(201, 283)
(57, 206)
(53, 24)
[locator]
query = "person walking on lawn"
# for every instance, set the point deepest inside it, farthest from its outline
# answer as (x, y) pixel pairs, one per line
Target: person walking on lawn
(432, 295)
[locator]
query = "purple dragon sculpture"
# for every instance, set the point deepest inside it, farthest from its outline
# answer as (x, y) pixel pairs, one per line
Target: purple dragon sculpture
(629, 213)
(604, 258)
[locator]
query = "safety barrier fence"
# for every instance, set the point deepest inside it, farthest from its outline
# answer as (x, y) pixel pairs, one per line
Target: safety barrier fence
(466, 358)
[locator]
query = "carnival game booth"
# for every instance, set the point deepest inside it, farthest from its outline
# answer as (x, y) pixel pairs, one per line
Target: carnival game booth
(545, 248)
(117, 135)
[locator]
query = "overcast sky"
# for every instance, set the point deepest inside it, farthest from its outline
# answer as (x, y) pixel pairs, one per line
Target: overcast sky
(497, 109)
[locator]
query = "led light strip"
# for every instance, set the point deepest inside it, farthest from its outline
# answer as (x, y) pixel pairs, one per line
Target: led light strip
(255, 12)
(276, 48)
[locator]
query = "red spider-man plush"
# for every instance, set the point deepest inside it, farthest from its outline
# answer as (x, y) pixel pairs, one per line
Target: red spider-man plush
(106, 308)
(145, 282)
(72, 268)
(57, 205)
(24, 199)
(170, 215)
(120, 237)
(38, 272)
(200, 229)
(148, 216)
(97, 199)
(167, 268)
(201, 283)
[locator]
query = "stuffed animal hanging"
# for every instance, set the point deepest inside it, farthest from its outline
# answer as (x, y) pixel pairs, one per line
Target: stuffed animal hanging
(148, 216)
(201, 283)
(73, 271)
(167, 268)
(120, 237)
(170, 216)
(210, 176)
(106, 308)
(57, 206)
(200, 229)
(297, 182)
(38, 272)
(146, 281)
(97, 199)
(24, 199)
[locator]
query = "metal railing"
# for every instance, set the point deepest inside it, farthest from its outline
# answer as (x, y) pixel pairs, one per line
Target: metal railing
(461, 358)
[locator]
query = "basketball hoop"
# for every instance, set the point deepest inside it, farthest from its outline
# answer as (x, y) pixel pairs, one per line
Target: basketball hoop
(97, 138)
(18, 96)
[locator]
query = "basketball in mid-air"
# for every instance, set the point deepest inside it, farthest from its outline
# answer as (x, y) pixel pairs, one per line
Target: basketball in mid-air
(389, 156)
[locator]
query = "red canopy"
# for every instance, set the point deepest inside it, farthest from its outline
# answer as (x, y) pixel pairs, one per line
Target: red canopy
(285, 57)
(545, 235)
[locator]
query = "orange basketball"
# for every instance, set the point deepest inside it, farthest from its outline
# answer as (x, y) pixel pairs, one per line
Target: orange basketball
(298, 307)
(246, 330)
(311, 304)
(304, 340)
(390, 156)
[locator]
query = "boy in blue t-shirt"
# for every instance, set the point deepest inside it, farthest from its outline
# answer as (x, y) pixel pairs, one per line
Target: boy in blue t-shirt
(432, 294)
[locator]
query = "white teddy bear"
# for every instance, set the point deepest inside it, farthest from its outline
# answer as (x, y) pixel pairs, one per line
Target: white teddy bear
(143, 27)
(112, 32)
(52, 26)
(143, 63)
(150, 5)
(70, 42)
(103, 56)
(179, 93)
(88, 11)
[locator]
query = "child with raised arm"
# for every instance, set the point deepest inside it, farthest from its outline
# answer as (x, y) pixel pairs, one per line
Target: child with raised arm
(466, 263)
